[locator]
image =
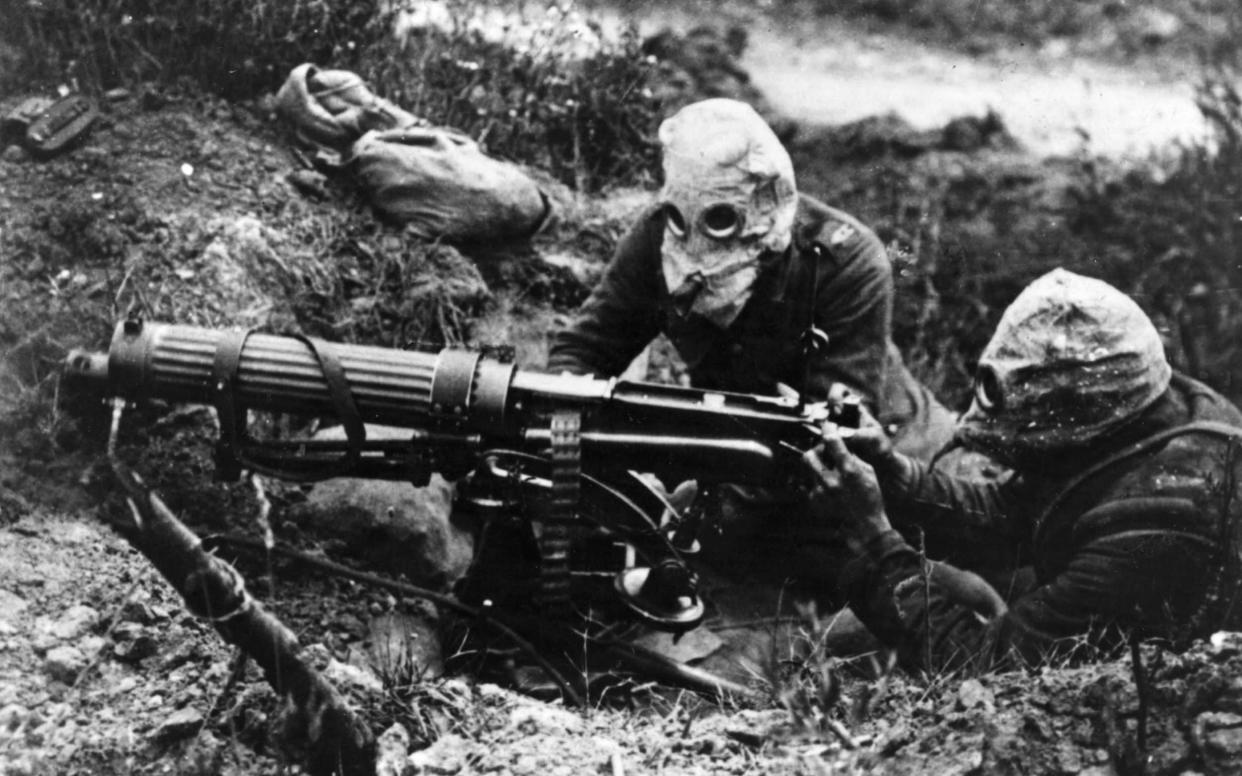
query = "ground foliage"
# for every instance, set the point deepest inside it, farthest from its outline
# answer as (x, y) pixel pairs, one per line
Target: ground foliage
(588, 117)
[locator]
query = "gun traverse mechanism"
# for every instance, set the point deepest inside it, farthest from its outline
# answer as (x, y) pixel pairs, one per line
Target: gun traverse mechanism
(559, 451)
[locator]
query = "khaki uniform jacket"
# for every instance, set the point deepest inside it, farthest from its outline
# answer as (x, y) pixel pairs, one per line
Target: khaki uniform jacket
(835, 276)
(1138, 536)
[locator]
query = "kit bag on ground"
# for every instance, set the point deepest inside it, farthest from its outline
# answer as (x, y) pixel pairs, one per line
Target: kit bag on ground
(442, 185)
(436, 181)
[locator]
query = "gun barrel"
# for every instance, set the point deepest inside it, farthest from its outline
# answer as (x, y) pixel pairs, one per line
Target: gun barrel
(284, 374)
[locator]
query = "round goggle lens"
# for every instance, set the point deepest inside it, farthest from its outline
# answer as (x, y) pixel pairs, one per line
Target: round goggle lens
(988, 391)
(675, 221)
(721, 221)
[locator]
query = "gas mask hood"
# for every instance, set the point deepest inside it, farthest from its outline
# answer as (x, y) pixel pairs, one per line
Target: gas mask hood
(728, 198)
(1072, 360)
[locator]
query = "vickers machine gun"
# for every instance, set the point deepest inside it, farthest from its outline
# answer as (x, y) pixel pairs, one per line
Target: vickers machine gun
(545, 464)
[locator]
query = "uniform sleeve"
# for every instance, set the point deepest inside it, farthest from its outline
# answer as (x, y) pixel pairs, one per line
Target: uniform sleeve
(1138, 565)
(854, 307)
(622, 314)
(965, 514)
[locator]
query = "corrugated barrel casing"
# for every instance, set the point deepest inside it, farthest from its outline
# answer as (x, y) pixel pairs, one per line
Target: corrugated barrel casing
(393, 387)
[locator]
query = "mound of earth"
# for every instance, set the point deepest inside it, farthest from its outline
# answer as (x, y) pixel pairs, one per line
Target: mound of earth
(103, 672)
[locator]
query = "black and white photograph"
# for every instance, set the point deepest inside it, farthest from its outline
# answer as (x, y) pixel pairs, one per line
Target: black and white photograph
(620, 387)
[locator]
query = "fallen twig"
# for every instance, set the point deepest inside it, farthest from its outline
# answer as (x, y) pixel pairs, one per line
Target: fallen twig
(338, 742)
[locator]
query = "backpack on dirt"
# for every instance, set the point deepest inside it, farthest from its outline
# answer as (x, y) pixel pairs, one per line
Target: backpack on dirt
(442, 185)
(436, 181)
(330, 109)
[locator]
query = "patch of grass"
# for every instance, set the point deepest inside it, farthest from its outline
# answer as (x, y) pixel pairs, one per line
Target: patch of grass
(588, 121)
(231, 47)
(587, 117)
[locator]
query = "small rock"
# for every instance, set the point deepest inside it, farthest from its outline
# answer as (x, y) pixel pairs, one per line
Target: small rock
(92, 645)
(12, 717)
(896, 739)
(349, 624)
(972, 694)
(346, 676)
(449, 754)
(1068, 758)
(309, 182)
(535, 718)
(205, 754)
(180, 653)
(138, 612)
(1036, 727)
(136, 649)
(15, 154)
(316, 655)
(394, 525)
(74, 623)
(64, 663)
(392, 751)
(180, 724)
(24, 765)
(11, 605)
(494, 694)
(127, 631)
(1226, 644)
(1156, 26)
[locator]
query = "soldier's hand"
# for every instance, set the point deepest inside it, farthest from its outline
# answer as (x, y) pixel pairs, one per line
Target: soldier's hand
(846, 486)
(869, 441)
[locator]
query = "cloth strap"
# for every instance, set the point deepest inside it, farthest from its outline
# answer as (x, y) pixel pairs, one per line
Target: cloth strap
(226, 366)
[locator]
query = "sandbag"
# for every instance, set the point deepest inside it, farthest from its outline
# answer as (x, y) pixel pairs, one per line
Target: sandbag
(441, 185)
(333, 108)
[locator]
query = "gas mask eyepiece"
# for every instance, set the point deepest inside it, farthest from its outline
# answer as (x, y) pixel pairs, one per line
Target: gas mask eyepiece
(989, 392)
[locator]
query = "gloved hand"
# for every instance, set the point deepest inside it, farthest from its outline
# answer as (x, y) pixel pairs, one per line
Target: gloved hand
(847, 488)
(869, 441)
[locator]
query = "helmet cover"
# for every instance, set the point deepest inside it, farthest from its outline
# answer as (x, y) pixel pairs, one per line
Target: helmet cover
(1072, 359)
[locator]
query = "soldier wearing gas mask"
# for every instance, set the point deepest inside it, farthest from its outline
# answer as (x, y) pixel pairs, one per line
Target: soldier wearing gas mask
(1125, 498)
(756, 287)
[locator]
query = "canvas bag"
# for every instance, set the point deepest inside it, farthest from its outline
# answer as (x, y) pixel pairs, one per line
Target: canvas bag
(333, 108)
(441, 185)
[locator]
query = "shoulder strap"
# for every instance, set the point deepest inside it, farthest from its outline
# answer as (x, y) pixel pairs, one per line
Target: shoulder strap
(814, 340)
(1144, 445)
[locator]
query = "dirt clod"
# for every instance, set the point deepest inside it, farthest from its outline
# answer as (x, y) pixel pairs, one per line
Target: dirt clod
(180, 724)
(64, 663)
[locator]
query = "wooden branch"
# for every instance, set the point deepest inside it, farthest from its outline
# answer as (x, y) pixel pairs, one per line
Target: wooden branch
(337, 742)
